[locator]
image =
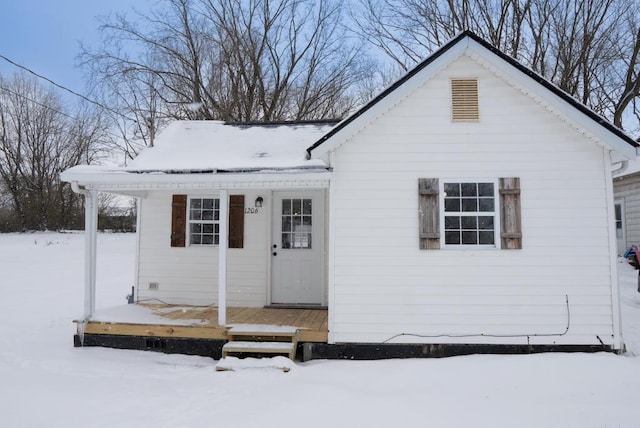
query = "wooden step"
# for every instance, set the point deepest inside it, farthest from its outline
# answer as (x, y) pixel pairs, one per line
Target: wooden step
(286, 348)
(243, 331)
(235, 364)
(261, 339)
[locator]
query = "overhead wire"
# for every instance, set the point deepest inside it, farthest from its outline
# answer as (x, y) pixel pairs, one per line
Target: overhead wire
(40, 76)
(50, 108)
(17, 94)
(71, 91)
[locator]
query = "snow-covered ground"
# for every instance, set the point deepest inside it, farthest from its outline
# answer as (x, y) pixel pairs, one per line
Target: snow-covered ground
(45, 382)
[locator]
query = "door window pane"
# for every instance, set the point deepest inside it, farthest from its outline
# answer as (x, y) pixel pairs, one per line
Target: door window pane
(286, 240)
(297, 217)
(306, 206)
(297, 206)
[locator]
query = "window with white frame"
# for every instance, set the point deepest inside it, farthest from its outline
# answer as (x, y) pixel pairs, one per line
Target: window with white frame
(297, 230)
(469, 213)
(619, 221)
(203, 222)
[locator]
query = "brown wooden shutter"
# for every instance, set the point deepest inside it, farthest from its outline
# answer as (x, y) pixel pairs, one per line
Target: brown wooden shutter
(178, 220)
(510, 217)
(236, 221)
(429, 213)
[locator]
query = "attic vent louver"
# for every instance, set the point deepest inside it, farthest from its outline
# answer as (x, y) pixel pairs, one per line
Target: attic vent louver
(464, 99)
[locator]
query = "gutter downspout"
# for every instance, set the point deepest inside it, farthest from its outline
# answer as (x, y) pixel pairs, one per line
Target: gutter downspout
(90, 247)
(618, 341)
(622, 168)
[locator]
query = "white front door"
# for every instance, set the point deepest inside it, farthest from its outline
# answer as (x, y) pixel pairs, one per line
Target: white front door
(297, 252)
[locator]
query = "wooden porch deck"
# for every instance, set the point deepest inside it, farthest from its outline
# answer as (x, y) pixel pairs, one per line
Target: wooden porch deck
(312, 323)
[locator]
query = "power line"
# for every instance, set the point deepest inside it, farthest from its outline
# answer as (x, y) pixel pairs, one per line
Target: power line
(17, 94)
(40, 76)
(75, 119)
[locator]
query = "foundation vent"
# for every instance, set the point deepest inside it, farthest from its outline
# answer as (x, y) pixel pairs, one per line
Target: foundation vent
(155, 344)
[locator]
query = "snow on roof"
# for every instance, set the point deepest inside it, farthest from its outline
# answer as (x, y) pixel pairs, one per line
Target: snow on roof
(213, 145)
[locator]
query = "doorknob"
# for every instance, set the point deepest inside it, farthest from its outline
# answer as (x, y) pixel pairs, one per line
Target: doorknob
(275, 254)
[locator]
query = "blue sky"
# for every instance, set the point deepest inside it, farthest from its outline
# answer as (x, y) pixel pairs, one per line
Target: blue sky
(45, 35)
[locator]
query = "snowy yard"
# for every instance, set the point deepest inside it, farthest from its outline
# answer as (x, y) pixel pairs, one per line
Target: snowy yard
(45, 382)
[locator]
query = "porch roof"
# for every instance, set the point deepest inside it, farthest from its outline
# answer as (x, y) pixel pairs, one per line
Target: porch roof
(122, 180)
(214, 154)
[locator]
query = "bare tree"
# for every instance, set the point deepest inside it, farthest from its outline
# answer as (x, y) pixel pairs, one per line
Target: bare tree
(282, 59)
(629, 94)
(135, 114)
(38, 140)
(589, 48)
(407, 30)
(232, 60)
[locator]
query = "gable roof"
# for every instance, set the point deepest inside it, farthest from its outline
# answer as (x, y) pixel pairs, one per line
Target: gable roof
(617, 140)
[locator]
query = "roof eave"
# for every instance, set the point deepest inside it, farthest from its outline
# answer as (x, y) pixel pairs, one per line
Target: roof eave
(598, 126)
(121, 180)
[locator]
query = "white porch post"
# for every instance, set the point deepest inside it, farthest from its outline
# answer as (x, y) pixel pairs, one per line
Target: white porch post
(90, 248)
(222, 257)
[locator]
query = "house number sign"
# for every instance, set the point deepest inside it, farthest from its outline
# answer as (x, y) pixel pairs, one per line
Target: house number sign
(252, 210)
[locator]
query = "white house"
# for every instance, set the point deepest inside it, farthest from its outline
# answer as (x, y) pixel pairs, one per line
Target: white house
(626, 188)
(469, 203)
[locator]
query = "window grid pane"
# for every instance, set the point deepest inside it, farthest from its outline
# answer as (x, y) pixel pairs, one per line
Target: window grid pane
(469, 213)
(296, 223)
(203, 223)
(618, 210)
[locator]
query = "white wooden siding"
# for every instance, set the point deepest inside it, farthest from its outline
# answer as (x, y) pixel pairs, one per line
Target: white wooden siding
(381, 283)
(189, 275)
(628, 189)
